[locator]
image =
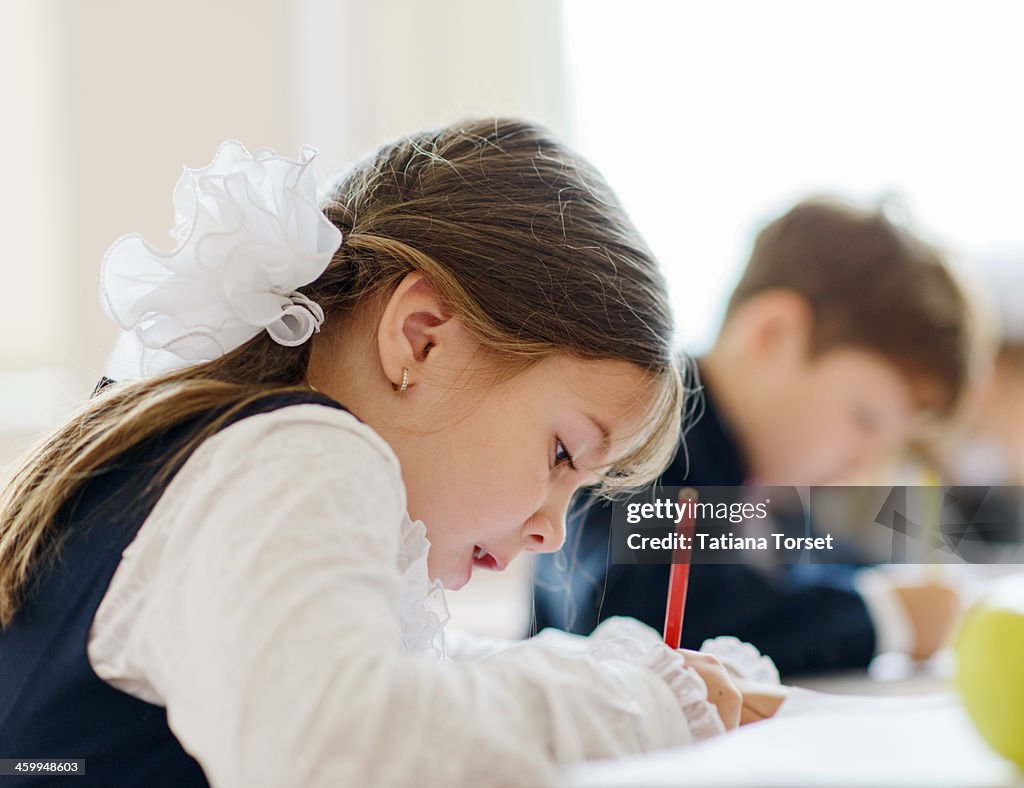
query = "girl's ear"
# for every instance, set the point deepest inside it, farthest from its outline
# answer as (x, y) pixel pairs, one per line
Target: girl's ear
(415, 325)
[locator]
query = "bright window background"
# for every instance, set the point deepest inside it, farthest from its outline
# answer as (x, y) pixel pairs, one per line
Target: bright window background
(710, 118)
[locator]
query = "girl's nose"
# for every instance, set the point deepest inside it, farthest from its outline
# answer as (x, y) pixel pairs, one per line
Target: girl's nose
(544, 534)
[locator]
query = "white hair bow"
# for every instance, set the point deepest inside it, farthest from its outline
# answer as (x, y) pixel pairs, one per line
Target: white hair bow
(249, 234)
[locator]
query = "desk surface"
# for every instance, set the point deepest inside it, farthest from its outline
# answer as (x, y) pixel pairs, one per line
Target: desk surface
(917, 735)
(890, 675)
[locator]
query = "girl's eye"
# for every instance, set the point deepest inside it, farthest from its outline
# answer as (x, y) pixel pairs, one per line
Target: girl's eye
(562, 455)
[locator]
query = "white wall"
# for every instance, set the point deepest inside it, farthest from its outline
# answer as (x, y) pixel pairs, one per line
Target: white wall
(390, 66)
(104, 102)
(713, 118)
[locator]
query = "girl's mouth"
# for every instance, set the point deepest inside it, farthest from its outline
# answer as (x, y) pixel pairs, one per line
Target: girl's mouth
(484, 560)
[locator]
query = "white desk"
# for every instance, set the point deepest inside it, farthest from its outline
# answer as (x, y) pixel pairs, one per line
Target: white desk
(918, 735)
(890, 675)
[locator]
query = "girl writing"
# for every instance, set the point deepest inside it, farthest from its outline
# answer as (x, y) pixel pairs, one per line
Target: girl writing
(231, 570)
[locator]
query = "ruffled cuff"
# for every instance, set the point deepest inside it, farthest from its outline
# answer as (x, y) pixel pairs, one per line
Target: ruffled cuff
(689, 688)
(629, 639)
(742, 659)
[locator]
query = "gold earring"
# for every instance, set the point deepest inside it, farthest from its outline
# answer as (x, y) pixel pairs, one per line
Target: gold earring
(405, 381)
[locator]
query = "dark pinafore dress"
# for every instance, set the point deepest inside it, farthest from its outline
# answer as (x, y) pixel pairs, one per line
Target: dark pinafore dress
(52, 704)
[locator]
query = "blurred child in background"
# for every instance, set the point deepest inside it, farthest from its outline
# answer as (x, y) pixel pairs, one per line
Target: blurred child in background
(232, 569)
(844, 334)
(988, 447)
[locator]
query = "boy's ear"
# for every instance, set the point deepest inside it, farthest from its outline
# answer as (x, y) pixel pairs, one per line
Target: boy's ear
(414, 324)
(779, 324)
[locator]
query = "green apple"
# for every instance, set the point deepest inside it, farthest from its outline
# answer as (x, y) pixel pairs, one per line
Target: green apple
(990, 666)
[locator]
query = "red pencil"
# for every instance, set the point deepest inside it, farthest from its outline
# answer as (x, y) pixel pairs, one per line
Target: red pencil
(679, 574)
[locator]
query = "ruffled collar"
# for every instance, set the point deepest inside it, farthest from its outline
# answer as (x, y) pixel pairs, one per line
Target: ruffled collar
(424, 607)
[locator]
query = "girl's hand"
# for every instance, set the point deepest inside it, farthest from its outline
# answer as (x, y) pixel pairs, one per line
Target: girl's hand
(760, 701)
(722, 692)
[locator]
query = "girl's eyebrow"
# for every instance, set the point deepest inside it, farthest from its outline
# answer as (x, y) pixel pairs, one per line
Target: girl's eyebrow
(606, 436)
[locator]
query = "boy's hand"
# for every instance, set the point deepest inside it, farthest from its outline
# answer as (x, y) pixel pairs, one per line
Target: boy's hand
(722, 692)
(933, 609)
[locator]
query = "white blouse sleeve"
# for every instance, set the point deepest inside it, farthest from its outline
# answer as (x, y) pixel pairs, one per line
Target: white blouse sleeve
(621, 638)
(260, 604)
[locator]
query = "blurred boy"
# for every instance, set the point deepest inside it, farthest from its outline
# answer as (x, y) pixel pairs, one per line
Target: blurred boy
(843, 333)
(988, 447)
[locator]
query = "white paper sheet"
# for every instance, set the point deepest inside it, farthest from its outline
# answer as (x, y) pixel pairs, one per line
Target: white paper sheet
(826, 740)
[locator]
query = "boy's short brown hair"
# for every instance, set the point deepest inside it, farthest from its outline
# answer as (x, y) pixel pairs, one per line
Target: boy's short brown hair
(870, 284)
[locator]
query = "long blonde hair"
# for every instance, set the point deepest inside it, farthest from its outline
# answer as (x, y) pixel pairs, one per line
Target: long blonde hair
(520, 236)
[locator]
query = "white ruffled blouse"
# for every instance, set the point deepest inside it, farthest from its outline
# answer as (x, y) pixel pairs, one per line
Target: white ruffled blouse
(276, 601)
